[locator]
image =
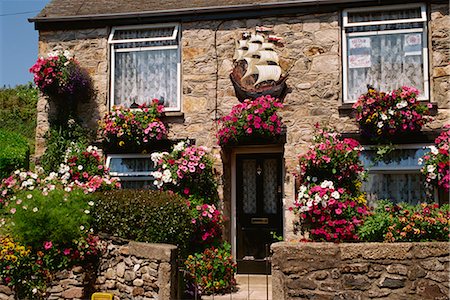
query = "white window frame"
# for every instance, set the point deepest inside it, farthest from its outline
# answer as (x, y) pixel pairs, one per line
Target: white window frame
(175, 36)
(130, 176)
(345, 24)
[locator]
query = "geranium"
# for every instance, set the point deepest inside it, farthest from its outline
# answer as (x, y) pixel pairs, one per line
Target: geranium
(60, 74)
(436, 163)
(138, 127)
(328, 213)
(332, 158)
(187, 170)
(382, 115)
(251, 118)
(208, 222)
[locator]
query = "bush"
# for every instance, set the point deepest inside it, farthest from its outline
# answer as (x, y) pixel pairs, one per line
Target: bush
(18, 111)
(212, 271)
(406, 223)
(144, 216)
(59, 139)
(14, 153)
(56, 216)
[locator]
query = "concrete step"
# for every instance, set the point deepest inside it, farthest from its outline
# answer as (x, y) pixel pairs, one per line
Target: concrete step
(249, 287)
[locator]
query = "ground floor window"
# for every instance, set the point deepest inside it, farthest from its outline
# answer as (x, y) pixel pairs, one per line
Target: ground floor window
(133, 170)
(396, 176)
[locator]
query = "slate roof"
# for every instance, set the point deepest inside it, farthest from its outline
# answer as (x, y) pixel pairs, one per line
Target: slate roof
(72, 8)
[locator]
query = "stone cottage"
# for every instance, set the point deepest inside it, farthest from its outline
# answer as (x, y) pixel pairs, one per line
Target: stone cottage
(182, 53)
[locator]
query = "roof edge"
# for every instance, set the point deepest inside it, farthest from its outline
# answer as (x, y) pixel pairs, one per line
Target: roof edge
(190, 11)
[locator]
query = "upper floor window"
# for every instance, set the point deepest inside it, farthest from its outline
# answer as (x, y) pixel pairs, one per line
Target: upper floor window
(145, 64)
(385, 47)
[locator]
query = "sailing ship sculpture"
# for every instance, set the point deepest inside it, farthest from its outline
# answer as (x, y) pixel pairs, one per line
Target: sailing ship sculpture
(256, 69)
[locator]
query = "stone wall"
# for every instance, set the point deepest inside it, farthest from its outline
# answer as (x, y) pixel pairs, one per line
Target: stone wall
(138, 271)
(360, 271)
(128, 270)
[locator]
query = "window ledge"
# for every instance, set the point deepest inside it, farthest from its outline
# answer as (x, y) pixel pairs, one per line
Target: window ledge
(173, 114)
(346, 110)
(422, 137)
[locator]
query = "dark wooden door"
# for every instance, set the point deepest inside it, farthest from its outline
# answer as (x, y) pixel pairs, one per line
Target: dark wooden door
(258, 208)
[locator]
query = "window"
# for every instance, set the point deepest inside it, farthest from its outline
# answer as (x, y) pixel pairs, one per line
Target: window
(397, 177)
(385, 47)
(133, 170)
(145, 64)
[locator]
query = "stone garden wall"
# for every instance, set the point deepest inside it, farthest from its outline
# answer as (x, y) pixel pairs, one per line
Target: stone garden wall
(360, 271)
(128, 270)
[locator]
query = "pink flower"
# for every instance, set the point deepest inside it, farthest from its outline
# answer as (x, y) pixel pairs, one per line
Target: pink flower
(66, 251)
(338, 211)
(48, 245)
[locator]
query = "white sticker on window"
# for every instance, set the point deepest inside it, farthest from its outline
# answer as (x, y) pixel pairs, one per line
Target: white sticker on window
(413, 39)
(357, 43)
(359, 61)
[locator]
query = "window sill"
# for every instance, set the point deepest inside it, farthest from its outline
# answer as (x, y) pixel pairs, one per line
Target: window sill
(173, 114)
(422, 137)
(346, 110)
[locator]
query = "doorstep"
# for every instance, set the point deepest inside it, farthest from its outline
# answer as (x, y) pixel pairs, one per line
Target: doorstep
(249, 287)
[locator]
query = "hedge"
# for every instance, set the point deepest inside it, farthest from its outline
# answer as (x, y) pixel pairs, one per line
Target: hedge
(14, 152)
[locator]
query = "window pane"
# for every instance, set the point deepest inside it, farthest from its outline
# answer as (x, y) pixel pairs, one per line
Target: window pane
(141, 76)
(249, 186)
(398, 14)
(143, 33)
(397, 177)
(131, 165)
(385, 61)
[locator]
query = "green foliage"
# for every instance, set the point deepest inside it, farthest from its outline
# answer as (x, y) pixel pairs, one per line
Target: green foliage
(57, 216)
(406, 223)
(144, 216)
(212, 271)
(14, 152)
(59, 139)
(18, 111)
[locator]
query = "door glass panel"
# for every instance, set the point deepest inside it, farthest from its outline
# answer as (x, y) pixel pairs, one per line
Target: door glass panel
(270, 185)
(249, 186)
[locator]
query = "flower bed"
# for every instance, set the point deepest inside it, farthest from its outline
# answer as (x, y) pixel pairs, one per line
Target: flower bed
(383, 115)
(124, 128)
(250, 120)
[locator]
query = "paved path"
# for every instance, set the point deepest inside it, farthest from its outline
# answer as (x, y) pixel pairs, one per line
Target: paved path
(250, 287)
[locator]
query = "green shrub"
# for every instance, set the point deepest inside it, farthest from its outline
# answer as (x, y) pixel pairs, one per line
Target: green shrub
(145, 216)
(406, 223)
(59, 139)
(57, 216)
(212, 271)
(14, 153)
(18, 111)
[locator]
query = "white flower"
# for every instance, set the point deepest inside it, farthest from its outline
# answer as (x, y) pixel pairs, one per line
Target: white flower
(317, 199)
(420, 161)
(179, 146)
(383, 117)
(325, 197)
(431, 168)
(402, 104)
(29, 196)
(16, 172)
(335, 195)
(86, 211)
(432, 176)
(303, 189)
(327, 184)
(35, 209)
(314, 179)
(434, 150)
(167, 176)
(67, 189)
(81, 227)
(80, 167)
(34, 290)
(300, 195)
(91, 203)
(63, 168)
(156, 174)
(380, 124)
(390, 111)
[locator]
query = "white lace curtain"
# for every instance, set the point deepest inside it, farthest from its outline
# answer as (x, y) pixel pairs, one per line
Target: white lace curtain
(141, 76)
(386, 60)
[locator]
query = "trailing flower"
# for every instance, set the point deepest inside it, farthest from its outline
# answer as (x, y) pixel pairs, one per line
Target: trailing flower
(383, 115)
(332, 158)
(328, 213)
(187, 170)
(208, 222)
(251, 118)
(124, 127)
(60, 74)
(436, 163)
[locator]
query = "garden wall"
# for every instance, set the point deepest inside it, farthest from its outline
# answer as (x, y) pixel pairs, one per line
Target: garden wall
(360, 271)
(128, 270)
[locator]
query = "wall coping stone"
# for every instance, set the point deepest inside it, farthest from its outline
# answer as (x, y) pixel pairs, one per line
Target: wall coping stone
(162, 252)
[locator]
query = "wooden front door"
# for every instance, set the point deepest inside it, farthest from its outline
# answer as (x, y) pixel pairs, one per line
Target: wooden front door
(258, 208)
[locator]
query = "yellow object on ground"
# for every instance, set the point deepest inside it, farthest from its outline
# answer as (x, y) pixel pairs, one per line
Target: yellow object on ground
(102, 296)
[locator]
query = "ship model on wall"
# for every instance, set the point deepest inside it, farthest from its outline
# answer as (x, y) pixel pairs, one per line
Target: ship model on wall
(256, 69)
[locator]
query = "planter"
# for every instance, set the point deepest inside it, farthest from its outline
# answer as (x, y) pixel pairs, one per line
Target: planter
(114, 146)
